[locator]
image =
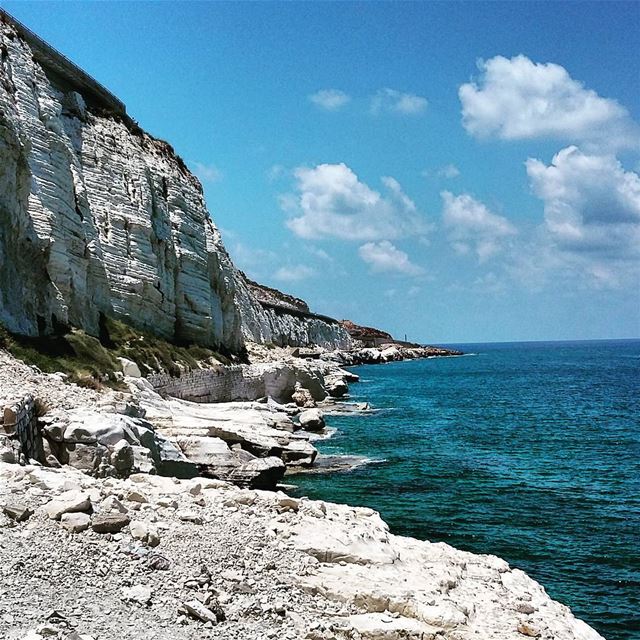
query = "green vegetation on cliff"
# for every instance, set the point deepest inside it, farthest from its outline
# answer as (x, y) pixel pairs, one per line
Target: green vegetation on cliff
(92, 361)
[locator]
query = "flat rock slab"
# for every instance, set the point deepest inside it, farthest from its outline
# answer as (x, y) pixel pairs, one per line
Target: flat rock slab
(69, 502)
(109, 522)
(17, 512)
(380, 626)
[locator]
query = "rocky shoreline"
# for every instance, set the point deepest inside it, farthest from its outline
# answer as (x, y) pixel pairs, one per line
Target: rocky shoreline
(141, 511)
(242, 423)
(137, 554)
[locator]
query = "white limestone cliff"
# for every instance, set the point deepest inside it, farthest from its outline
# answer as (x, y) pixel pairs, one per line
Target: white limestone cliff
(97, 217)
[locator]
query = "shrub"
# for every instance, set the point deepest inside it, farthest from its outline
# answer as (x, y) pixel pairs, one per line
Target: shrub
(93, 362)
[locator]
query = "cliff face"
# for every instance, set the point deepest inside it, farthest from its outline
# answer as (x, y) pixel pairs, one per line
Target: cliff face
(272, 296)
(285, 328)
(289, 322)
(363, 333)
(97, 217)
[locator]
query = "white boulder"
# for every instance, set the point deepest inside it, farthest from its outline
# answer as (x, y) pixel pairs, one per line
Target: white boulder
(130, 368)
(312, 420)
(68, 502)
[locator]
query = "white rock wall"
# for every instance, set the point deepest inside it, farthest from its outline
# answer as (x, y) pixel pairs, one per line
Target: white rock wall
(285, 330)
(99, 218)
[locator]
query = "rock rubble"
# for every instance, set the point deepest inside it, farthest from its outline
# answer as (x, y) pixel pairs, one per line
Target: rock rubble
(229, 563)
(137, 555)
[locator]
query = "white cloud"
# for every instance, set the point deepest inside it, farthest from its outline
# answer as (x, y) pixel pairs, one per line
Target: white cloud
(589, 237)
(386, 257)
(330, 99)
(249, 258)
(207, 172)
(294, 273)
(275, 172)
(473, 227)
(520, 99)
(331, 202)
(320, 254)
(540, 263)
(591, 204)
(397, 102)
(448, 171)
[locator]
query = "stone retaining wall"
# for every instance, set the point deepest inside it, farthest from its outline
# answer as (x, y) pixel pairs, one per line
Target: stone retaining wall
(241, 382)
(20, 422)
(223, 384)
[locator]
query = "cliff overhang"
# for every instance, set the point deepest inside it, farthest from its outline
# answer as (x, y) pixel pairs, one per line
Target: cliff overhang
(64, 72)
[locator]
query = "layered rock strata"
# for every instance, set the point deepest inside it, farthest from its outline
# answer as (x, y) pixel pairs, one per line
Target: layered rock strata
(99, 218)
(275, 297)
(224, 384)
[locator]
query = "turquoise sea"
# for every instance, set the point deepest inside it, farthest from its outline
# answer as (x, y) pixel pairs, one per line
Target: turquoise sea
(530, 451)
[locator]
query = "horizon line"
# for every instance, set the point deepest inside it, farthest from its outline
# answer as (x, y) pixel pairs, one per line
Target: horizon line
(533, 341)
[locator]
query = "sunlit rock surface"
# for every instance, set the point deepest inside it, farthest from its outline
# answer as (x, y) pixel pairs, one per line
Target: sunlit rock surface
(97, 217)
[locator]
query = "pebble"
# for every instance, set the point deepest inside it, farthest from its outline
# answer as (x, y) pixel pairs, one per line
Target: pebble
(196, 609)
(137, 593)
(189, 516)
(136, 496)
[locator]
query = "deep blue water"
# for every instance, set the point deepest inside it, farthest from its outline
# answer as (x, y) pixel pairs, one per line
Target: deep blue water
(530, 451)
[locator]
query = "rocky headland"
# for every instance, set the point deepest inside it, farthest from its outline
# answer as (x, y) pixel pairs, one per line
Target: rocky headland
(146, 514)
(146, 501)
(147, 511)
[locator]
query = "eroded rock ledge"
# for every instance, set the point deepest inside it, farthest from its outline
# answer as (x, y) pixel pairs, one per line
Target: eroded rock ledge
(243, 423)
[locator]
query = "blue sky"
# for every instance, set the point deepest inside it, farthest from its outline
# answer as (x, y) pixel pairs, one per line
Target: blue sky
(457, 172)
